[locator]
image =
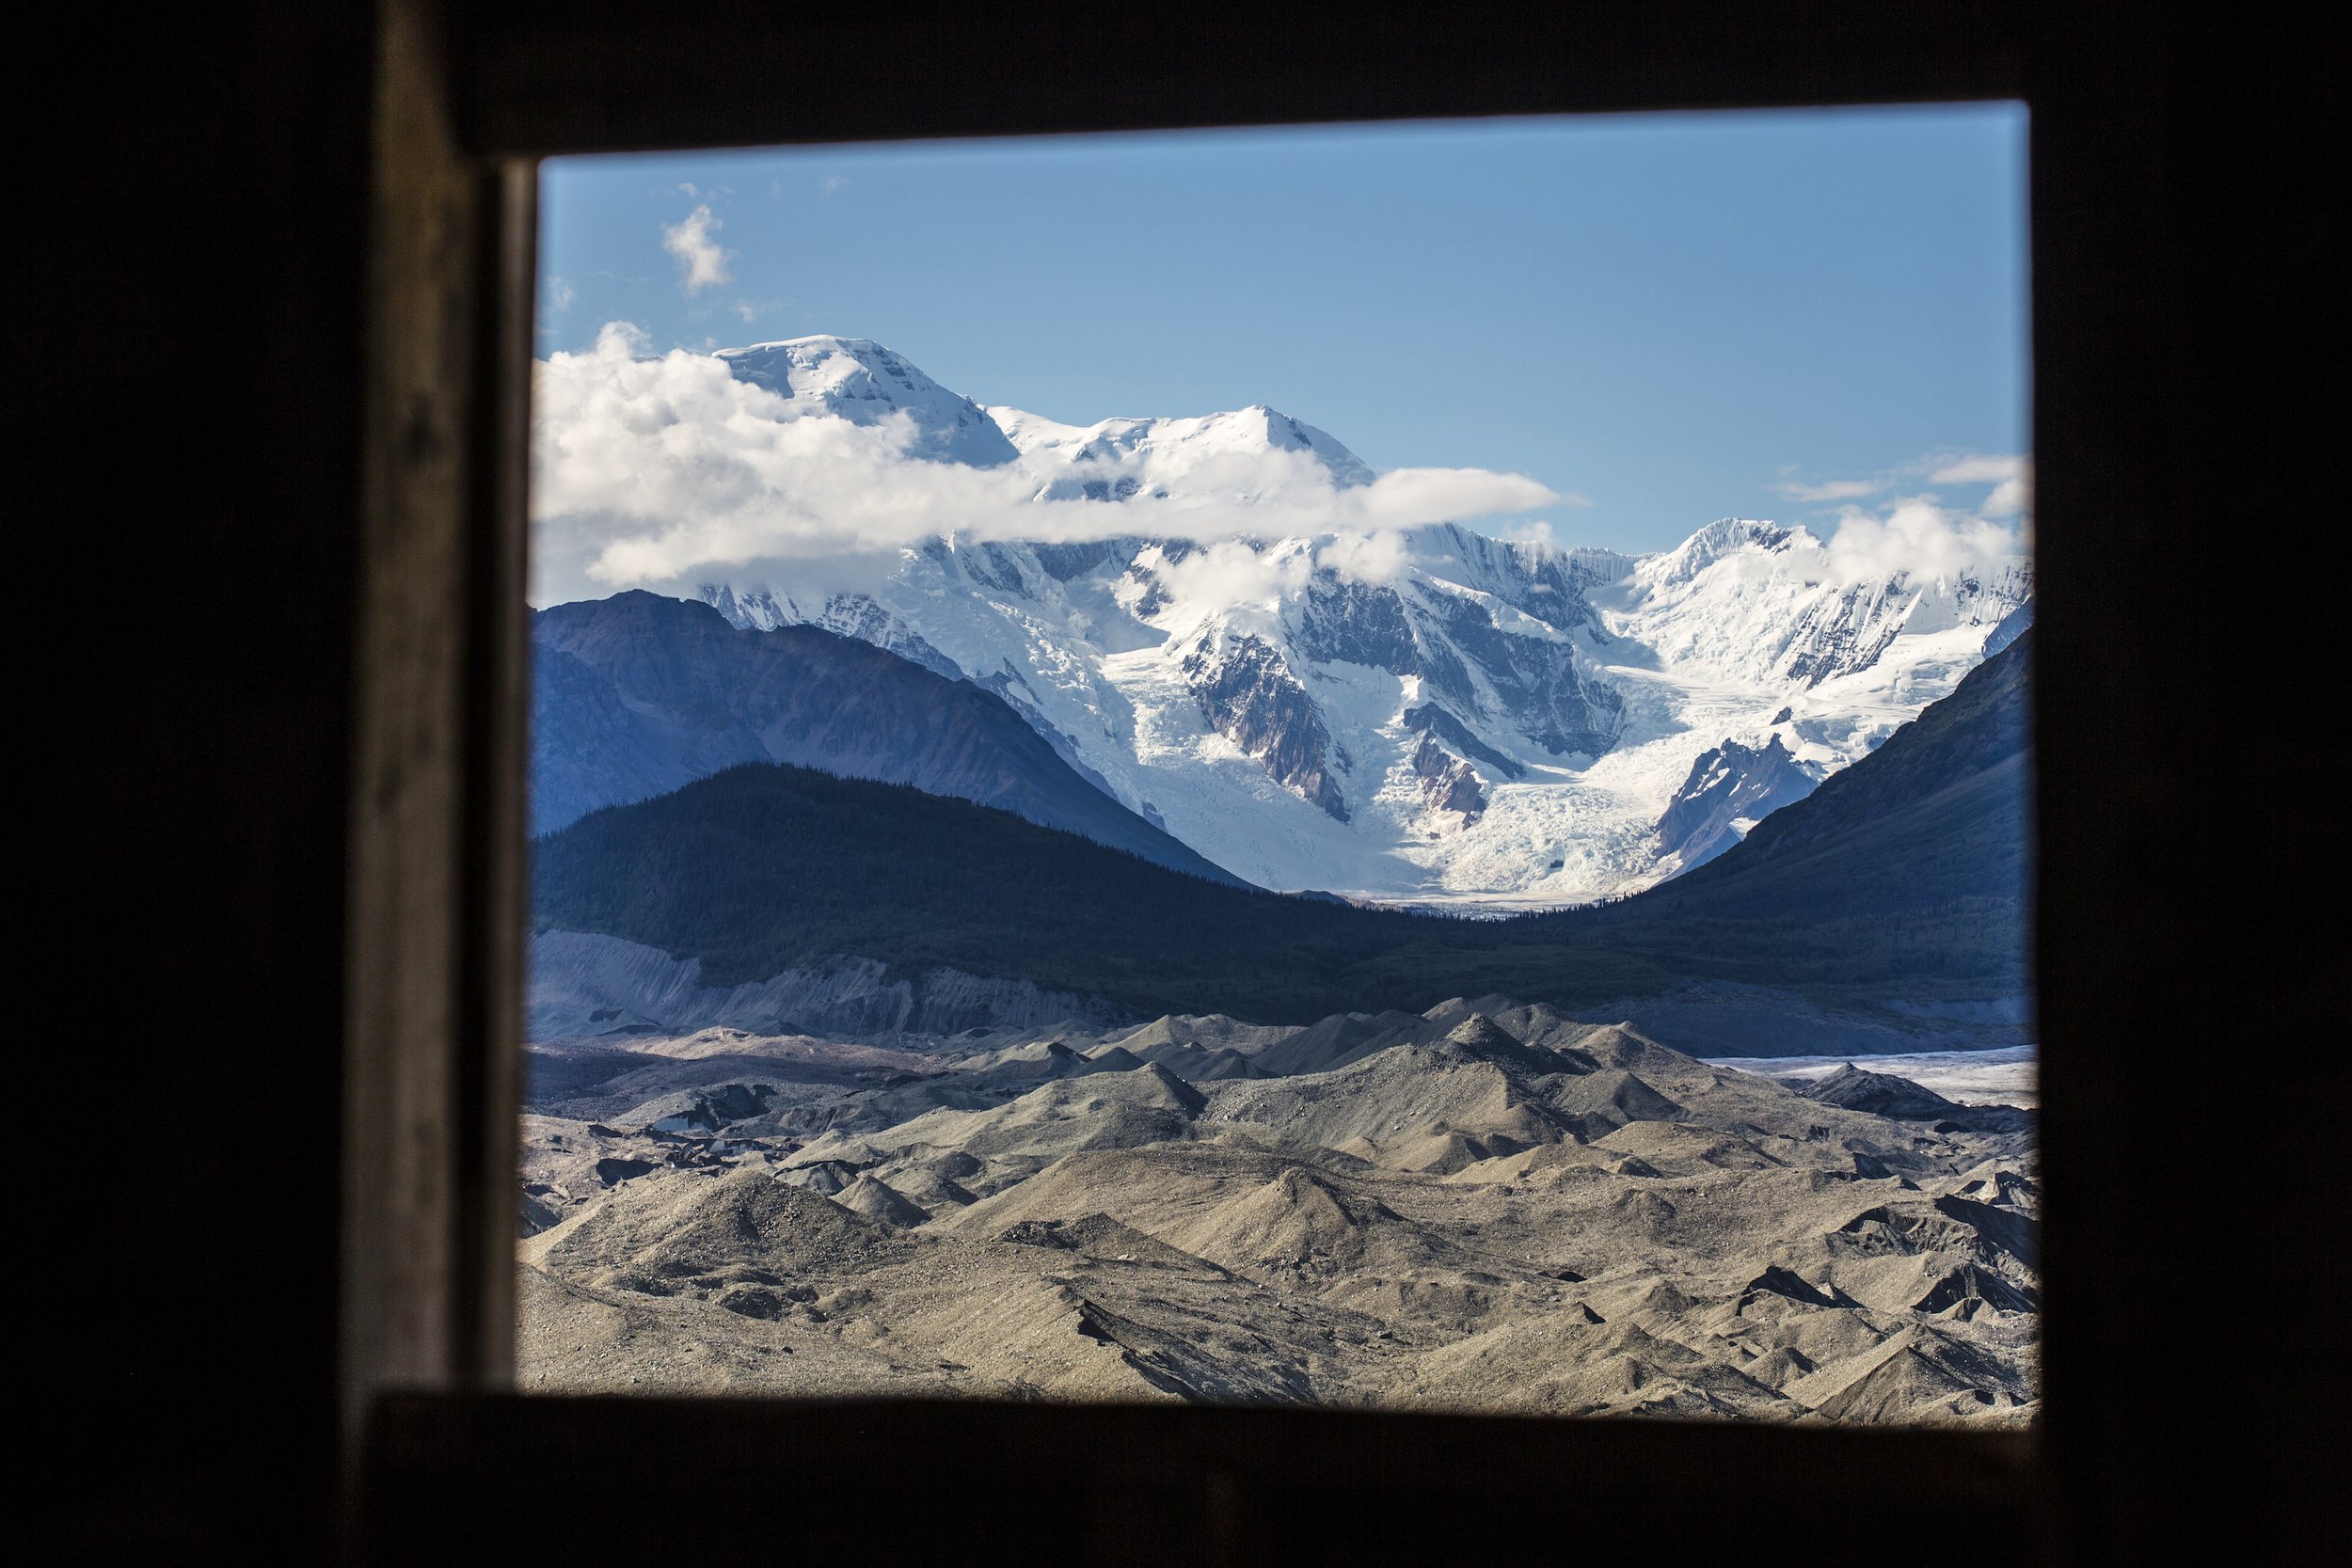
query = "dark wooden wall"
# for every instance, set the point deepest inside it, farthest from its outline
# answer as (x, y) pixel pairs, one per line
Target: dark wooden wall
(257, 249)
(189, 194)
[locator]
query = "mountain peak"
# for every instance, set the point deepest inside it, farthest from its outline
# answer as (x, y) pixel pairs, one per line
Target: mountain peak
(1723, 536)
(860, 380)
(1286, 434)
(1155, 451)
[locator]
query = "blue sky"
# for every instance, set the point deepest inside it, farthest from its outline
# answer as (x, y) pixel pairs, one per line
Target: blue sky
(1674, 318)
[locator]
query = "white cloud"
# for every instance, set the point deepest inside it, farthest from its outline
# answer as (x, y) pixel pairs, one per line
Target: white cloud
(1976, 470)
(1534, 532)
(1835, 490)
(1229, 571)
(832, 183)
(623, 341)
(2012, 478)
(752, 311)
(701, 263)
(1402, 497)
(667, 472)
(1917, 536)
(1381, 557)
(559, 295)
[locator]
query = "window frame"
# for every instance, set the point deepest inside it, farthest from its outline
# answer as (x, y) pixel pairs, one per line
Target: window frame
(465, 108)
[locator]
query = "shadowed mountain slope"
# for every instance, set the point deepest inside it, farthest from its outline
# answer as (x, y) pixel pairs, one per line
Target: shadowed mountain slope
(637, 695)
(1945, 799)
(1900, 882)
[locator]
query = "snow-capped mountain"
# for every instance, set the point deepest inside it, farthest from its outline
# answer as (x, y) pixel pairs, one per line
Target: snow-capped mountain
(1117, 458)
(861, 381)
(1426, 715)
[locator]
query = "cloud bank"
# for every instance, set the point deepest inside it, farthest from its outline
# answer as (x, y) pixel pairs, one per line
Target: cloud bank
(1917, 536)
(667, 473)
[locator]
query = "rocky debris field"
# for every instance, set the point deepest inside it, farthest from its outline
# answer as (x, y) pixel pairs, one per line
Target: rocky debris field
(1486, 1207)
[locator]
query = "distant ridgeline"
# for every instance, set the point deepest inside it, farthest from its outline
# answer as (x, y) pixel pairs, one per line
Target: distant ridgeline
(1900, 882)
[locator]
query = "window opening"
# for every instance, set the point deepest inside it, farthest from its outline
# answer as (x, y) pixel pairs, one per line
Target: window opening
(1375, 765)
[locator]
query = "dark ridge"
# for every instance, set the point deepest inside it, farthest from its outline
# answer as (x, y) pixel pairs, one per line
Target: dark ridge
(1429, 718)
(638, 695)
(1949, 790)
(1901, 877)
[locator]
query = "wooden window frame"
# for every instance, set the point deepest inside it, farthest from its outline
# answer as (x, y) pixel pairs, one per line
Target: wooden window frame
(445, 1458)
